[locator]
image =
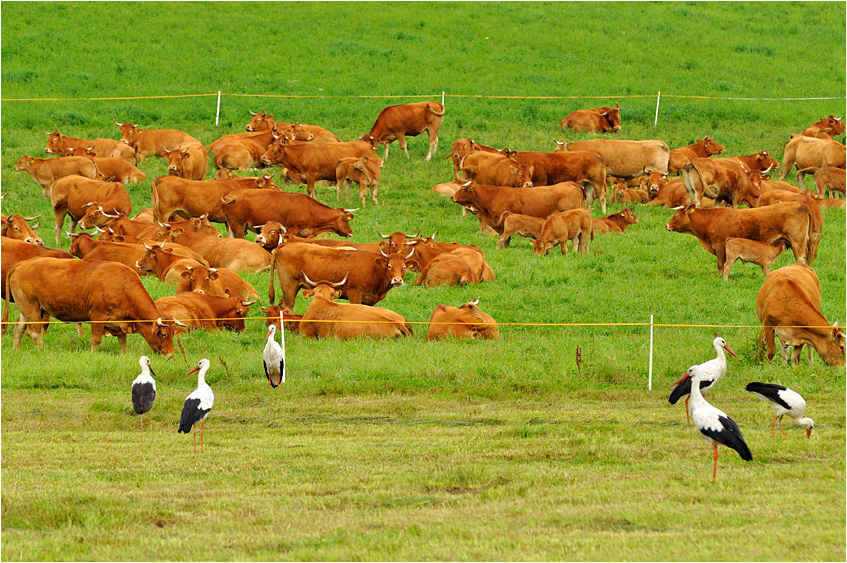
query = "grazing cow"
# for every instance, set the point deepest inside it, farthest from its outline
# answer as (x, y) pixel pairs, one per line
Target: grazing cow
(45, 171)
(298, 213)
(243, 153)
(312, 161)
(152, 141)
(463, 147)
(624, 159)
(109, 148)
(596, 120)
(325, 318)
(751, 252)
(369, 276)
(831, 203)
(361, 170)
(526, 226)
(615, 223)
(825, 128)
(703, 148)
(496, 170)
(233, 253)
(398, 122)
(467, 321)
(830, 178)
(112, 169)
(446, 269)
(263, 122)
(789, 306)
(109, 295)
(194, 198)
(209, 312)
(575, 225)
(541, 201)
(721, 179)
(583, 167)
(222, 282)
(187, 161)
(78, 197)
(807, 152)
(17, 227)
(622, 194)
(784, 222)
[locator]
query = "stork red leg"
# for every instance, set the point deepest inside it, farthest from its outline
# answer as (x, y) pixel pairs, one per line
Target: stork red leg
(201, 437)
(687, 416)
(715, 471)
(142, 421)
(780, 425)
(194, 433)
(773, 429)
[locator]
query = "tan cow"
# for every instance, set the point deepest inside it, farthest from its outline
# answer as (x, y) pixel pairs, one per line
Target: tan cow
(446, 269)
(209, 312)
(596, 120)
(45, 171)
(398, 122)
(187, 161)
(59, 144)
(625, 159)
(789, 306)
(173, 196)
(361, 170)
(526, 226)
(807, 152)
(496, 170)
(243, 153)
(262, 122)
(164, 264)
(615, 223)
(825, 128)
(622, 194)
(234, 253)
(575, 225)
(830, 178)
(222, 282)
(722, 179)
(467, 321)
(112, 169)
(681, 156)
(78, 196)
(751, 252)
(152, 141)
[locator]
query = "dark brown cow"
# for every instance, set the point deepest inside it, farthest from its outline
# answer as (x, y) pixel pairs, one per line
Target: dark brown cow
(789, 306)
(721, 179)
(109, 148)
(222, 282)
(369, 276)
(807, 152)
(233, 253)
(361, 170)
(467, 321)
(575, 225)
(352, 320)
(398, 122)
(541, 201)
(624, 159)
(187, 161)
(496, 170)
(585, 168)
(784, 222)
(209, 312)
(78, 196)
(194, 198)
(298, 213)
(17, 227)
(681, 156)
(45, 171)
(526, 226)
(596, 120)
(109, 295)
(615, 223)
(263, 122)
(112, 169)
(152, 141)
(751, 252)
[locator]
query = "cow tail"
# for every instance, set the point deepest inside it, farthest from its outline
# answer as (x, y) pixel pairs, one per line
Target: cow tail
(271, 290)
(154, 195)
(443, 111)
(8, 299)
(689, 184)
(810, 244)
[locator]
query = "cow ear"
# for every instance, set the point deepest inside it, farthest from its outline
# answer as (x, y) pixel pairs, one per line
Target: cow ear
(689, 210)
(307, 293)
(513, 154)
(349, 216)
(380, 261)
(513, 170)
(213, 276)
(168, 250)
(413, 265)
(186, 274)
(336, 294)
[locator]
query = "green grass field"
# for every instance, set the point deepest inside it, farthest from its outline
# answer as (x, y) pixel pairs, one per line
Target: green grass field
(417, 450)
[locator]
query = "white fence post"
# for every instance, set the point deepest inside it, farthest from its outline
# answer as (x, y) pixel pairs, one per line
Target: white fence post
(650, 370)
(218, 113)
(442, 98)
(656, 121)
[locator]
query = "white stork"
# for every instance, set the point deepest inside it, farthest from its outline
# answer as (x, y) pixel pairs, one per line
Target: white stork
(197, 405)
(786, 402)
(273, 357)
(713, 424)
(712, 371)
(143, 389)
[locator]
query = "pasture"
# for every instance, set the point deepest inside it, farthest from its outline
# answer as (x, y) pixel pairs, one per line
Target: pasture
(544, 445)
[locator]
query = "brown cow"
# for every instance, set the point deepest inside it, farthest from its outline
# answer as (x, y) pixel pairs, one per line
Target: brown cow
(361, 170)
(758, 161)
(721, 179)
(496, 170)
(194, 198)
(463, 147)
(526, 226)
(45, 171)
(622, 194)
(825, 128)
(262, 122)
(272, 314)
(78, 196)
(596, 120)
(398, 122)
(209, 312)
(831, 203)
(108, 148)
(233, 253)
(788, 222)
(187, 161)
(585, 168)
(789, 306)
(112, 169)
(541, 201)
(467, 321)
(615, 223)
(830, 178)
(624, 159)
(807, 152)
(575, 225)
(681, 156)
(751, 252)
(298, 213)
(475, 260)
(243, 153)
(152, 141)
(776, 196)
(109, 295)
(369, 276)
(446, 269)
(164, 264)
(222, 282)
(17, 227)
(674, 194)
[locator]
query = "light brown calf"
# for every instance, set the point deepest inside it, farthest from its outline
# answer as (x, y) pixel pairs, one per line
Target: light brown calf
(526, 226)
(751, 252)
(365, 172)
(575, 225)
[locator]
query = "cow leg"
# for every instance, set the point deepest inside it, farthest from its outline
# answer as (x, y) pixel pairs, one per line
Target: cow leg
(720, 252)
(18, 332)
(341, 180)
(122, 342)
(433, 143)
(401, 138)
(769, 342)
(363, 191)
(801, 179)
(310, 185)
(783, 351)
(504, 240)
(563, 243)
(72, 225)
(355, 296)
(727, 267)
(96, 335)
(60, 222)
(374, 190)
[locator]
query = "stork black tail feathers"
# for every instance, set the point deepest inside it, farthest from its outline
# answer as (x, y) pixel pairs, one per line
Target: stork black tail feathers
(764, 389)
(680, 391)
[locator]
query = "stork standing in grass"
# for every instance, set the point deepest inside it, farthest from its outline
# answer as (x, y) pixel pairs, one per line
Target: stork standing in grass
(273, 357)
(143, 389)
(197, 405)
(786, 402)
(712, 371)
(713, 424)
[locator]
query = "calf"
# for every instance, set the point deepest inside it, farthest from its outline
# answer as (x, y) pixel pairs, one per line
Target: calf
(575, 225)
(830, 178)
(112, 169)
(59, 144)
(615, 223)
(205, 311)
(233, 253)
(496, 170)
(808, 152)
(467, 321)
(361, 170)
(751, 252)
(526, 226)
(622, 194)
(151, 141)
(164, 264)
(446, 269)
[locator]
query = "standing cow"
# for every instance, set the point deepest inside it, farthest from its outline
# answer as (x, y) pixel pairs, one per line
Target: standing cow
(397, 122)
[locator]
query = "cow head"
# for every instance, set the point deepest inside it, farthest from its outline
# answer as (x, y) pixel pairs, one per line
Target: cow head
(561, 145)
(149, 261)
(396, 241)
(341, 225)
(130, 134)
(654, 182)
(198, 279)
(465, 194)
(522, 175)
(835, 346)
(710, 146)
(681, 220)
(326, 289)
(24, 164)
(627, 216)
(17, 227)
(618, 190)
(96, 216)
(276, 151)
(260, 122)
(270, 235)
(481, 328)
(838, 126)
(159, 334)
(80, 151)
(766, 161)
(55, 143)
(177, 160)
(396, 265)
(612, 116)
(374, 142)
(225, 174)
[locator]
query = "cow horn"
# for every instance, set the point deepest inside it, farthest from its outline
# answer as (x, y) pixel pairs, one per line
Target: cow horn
(475, 302)
(176, 322)
(382, 235)
(160, 323)
(247, 303)
(342, 282)
(351, 210)
(382, 252)
(284, 230)
(87, 204)
(166, 150)
(433, 235)
(118, 124)
(211, 269)
(99, 230)
(252, 112)
(416, 235)
(190, 268)
(74, 235)
(768, 170)
(310, 282)
(409, 255)
(145, 245)
(677, 208)
(116, 216)
(163, 224)
(28, 219)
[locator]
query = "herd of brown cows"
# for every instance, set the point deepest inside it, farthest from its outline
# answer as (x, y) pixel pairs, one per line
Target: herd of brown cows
(545, 196)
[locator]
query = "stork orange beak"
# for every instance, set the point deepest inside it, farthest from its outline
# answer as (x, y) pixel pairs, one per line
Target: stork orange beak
(808, 432)
(192, 371)
(681, 379)
(730, 351)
